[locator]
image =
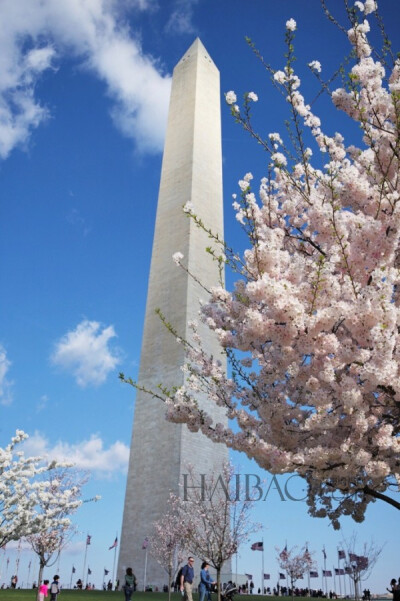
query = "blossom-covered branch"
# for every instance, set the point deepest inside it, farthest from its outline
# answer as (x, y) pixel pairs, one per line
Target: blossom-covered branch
(311, 328)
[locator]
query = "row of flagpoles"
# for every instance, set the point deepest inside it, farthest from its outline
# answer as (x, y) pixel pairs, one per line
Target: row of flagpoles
(89, 571)
(85, 572)
(339, 571)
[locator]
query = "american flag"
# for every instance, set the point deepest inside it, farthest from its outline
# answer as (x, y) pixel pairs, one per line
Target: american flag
(145, 543)
(106, 572)
(281, 576)
(89, 571)
(326, 573)
(88, 539)
(249, 576)
(73, 570)
(313, 574)
(115, 544)
(284, 554)
(362, 562)
(257, 547)
(342, 554)
(267, 576)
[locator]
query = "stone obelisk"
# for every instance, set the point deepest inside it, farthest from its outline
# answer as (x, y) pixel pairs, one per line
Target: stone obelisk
(191, 171)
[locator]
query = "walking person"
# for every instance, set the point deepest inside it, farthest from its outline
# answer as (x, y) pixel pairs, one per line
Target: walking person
(130, 584)
(54, 588)
(392, 588)
(43, 590)
(187, 577)
(205, 582)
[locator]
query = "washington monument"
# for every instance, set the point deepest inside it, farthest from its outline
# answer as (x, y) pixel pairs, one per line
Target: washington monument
(191, 171)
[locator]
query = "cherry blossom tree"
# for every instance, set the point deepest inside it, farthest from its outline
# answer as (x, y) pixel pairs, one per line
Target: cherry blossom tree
(37, 498)
(295, 565)
(167, 545)
(359, 566)
(311, 327)
(214, 513)
(57, 499)
(19, 492)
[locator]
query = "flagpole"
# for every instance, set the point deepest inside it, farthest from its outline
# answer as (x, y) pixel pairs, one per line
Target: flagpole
(236, 566)
(344, 578)
(340, 584)
(287, 582)
(334, 578)
(7, 562)
(326, 582)
(308, 573)
(18, 559)
(145, 569)
(115, 556)
(84, 562)
(29, 574)
(262, 571)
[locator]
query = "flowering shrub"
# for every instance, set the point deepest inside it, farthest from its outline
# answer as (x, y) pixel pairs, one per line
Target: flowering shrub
(296, 565)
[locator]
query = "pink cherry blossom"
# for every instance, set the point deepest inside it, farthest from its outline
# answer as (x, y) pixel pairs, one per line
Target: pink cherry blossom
(311, 327)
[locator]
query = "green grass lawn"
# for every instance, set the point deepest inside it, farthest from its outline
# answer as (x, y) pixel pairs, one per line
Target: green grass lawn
(75, 595)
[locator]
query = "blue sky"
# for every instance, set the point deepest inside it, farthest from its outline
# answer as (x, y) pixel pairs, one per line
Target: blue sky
(84, 88)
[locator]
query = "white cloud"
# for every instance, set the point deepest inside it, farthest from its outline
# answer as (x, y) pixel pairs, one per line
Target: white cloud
(39, 32)
(88, 455)
(85, 352)
(180, 20)
(5, 384)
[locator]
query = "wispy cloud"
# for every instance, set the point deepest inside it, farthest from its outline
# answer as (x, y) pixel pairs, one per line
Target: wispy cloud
(5, 383)
(89, 454)
(75, 218)
(181, 17)
(86, 353)
(42, 404)
(41, 32)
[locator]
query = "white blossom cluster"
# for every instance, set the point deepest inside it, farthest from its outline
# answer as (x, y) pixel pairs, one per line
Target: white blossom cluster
(31, 500)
